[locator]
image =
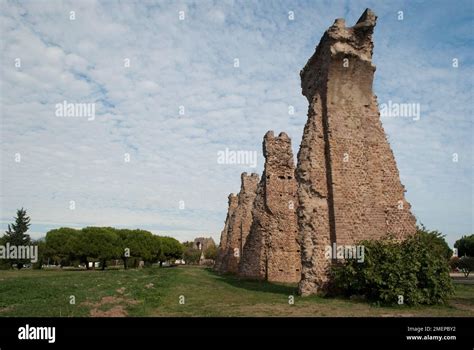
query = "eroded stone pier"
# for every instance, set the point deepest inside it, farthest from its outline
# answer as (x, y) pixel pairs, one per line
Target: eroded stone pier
(349, 185)
(272, 251)
(238, 225)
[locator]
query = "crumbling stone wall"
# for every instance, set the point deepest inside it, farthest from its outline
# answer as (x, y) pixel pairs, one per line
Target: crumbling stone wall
(233, 201)
(272, 251)
(349, 186)
(239, 223)
(203, 243)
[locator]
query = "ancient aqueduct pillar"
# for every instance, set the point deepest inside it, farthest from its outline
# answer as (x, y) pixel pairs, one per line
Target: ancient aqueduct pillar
(349, 185)
(272, 251)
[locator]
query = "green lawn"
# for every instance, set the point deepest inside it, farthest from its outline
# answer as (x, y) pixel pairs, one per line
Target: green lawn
(157, 292)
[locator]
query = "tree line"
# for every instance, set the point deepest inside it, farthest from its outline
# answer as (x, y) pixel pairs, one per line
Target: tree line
(67, 246)
(71, 247)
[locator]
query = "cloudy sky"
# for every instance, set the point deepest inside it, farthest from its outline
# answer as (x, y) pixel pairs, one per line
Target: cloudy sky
(174, 83)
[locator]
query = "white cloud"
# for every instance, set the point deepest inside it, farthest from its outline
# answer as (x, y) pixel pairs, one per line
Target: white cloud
(190, 63)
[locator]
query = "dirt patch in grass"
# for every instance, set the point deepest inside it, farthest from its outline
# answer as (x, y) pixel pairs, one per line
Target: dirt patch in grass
(6, 309)
(462, 306)
(110, 306)
(115, 311)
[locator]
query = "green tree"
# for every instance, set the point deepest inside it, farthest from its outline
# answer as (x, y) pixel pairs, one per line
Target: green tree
(61, 245)
(187, 244)
(4, 264)
(175, 249)
(100, 244)
(211, 252)
(466, 265)
(192, 256)
(465, 246)
(137, 244)
(16, 234)
(170, 249)
(41, 244)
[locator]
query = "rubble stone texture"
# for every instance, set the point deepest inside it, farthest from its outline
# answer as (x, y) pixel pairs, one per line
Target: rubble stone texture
(349, 185)
(221, 252)
(239, 224)
(203, 243)
(271, 251)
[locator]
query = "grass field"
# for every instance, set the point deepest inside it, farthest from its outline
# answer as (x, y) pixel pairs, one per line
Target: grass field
(158, 292)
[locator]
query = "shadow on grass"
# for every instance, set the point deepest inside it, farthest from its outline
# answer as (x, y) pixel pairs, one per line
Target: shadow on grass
(254, 285)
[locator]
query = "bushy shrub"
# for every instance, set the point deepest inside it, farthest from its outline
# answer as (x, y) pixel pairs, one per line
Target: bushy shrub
(414, 269)
(211, 252)
(436, 241)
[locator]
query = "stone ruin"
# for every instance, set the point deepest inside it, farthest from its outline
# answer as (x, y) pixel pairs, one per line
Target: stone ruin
(238, 226)
(271, 251)
(203, 243)
(349, 185)
(221, 252)
(347, 182)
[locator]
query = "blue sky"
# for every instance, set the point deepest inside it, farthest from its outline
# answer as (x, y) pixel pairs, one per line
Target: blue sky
(190, 63)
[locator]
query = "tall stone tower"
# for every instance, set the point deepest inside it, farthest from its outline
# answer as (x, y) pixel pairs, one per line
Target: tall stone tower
(272, 251)
(239, 224)
(349, 186)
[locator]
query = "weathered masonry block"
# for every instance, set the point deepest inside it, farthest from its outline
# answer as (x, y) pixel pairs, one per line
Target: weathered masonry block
(272, 250)
(239, 224)
(233, 202)
(349, 186)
